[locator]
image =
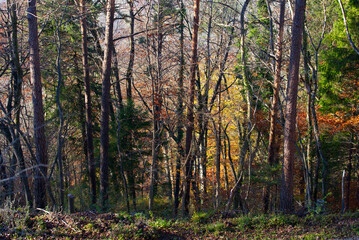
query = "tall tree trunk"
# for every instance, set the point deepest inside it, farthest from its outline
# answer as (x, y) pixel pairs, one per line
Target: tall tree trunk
(120, 107)
(60, 139)
(190, 111)
(218, 153)
(286, 192)
(39, 121)
(129, 72)
(156, 109)
(318, 142)
(88, 105)
(180, 97)
(247, 128)
(82, 122)
(105, 103)
(203, 110)
(273, 146)
(307, 157)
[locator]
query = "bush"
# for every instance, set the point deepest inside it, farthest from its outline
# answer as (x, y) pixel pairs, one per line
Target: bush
(245, 222)
(160, 223)
(282, 220)
(216, 227)
(201, 217)
(11, 217)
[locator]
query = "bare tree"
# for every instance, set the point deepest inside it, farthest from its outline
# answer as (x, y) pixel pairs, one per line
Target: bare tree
(129, 73)
(190, 110)
(286, 193)
(157, 100)
(88, 105)
(39, 121)
(180, 109)
(105, 102)
(273, 146)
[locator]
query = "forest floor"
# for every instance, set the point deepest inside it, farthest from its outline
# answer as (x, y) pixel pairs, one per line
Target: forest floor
(20, 224)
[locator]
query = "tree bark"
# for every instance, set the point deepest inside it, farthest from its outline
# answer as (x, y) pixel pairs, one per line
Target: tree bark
(60, 139)
(129, 72)
(39, 121)
(190, 110)
(203, 110)
(286, 192)
(88, 105)
(120, 107)
(218, 153)
(273, 146)
(245, 137)
(156, 109)
(105, 103)
(180, 97)
(307, 163)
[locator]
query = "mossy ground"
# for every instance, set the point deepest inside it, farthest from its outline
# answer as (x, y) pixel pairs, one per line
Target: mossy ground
(89, 225)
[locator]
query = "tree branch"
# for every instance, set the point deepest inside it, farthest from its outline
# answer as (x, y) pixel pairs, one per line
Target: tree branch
(346, 28)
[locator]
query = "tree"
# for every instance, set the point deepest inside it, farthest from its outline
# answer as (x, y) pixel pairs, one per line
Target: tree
(273, 148)
(180, 108)
(39, 121)
(88, 105)
(105, 103)
(286, 192)
(190, 111)
(157, 101)
(129, 73)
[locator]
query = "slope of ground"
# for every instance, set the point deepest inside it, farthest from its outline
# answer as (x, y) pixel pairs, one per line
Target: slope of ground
(19, 224)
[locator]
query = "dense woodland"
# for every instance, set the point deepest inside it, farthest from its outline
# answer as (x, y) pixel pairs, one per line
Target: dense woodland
(182, 106)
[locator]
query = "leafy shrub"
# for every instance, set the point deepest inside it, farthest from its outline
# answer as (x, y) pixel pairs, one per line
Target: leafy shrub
(216, 227)
(125, 217)
(320, 219)
(140, 216)
(201, 217)
(282, 220)
(245, 222)
(160, 223)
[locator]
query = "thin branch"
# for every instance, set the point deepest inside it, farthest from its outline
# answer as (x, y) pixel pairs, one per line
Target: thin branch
(346, 28)
(137, 33)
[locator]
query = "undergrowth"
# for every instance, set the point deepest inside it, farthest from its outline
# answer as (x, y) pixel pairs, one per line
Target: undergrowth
(20, 224)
